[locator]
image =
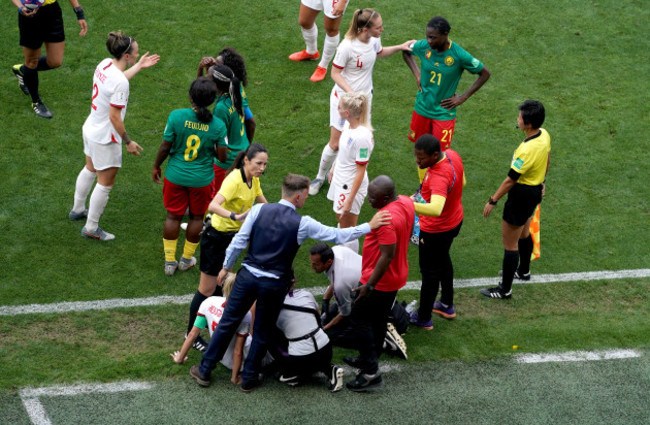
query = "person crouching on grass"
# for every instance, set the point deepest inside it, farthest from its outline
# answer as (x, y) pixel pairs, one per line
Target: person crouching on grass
(209, 314)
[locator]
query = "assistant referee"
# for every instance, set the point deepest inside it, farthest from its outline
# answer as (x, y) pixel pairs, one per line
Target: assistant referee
(525, 187)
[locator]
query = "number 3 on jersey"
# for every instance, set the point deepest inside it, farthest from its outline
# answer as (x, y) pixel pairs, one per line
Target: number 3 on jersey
(193, 142)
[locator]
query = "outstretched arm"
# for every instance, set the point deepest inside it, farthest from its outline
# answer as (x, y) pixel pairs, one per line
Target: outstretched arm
(145, 61)
(391, 50)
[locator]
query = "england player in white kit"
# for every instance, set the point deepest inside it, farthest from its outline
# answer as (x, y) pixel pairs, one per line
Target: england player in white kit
(208, 316)
(104, 132)
(349, 182)
(352, 72)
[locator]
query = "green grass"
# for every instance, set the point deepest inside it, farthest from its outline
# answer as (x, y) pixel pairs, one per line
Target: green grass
(585, 61)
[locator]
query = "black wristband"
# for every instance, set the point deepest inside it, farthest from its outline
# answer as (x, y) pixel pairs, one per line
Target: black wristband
(79, 11)
(492, 202)
(232, 216)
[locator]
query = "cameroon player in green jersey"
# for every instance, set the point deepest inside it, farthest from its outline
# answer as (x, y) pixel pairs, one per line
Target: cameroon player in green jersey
(442, 65)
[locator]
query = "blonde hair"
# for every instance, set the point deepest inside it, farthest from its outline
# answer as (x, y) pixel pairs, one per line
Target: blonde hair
(357, 104)
(362, 18)
(228, 282)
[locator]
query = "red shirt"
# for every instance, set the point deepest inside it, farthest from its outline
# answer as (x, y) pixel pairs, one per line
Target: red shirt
(445, 178)
(398, 232)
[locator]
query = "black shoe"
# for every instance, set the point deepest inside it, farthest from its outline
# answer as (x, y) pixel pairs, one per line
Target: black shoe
(518, 275)
(199, 344)
(336, 379)
(355, 362)
(41, 110)
(497, 293)
(365, 382)
(200, 379)
(20, 77)
(250, 385)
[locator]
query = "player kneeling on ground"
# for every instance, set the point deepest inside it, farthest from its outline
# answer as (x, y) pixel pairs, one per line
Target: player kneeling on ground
(309, 349)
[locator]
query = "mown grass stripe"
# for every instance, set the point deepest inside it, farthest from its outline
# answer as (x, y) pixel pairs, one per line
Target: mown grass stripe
(66, 307)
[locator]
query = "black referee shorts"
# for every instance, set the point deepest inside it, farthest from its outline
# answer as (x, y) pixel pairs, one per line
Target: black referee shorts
(213, 250)
(521, 203)
(46, 26)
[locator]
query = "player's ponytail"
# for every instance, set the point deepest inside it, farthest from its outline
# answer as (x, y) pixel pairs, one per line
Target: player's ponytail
(361, 19)
(227, 82)
(119, 44)
(202, 94)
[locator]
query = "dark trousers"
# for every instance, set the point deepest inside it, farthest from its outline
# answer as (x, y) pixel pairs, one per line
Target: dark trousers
(366, 328)
(269, 294)
(437, 270)
(305, 366)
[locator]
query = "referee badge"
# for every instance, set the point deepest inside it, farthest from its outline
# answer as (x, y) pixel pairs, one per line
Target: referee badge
(449, 61)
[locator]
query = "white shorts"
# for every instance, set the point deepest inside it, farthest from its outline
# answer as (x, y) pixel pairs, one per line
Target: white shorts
(335, 118)
(326, 6)
(103, 156)
(338, 194)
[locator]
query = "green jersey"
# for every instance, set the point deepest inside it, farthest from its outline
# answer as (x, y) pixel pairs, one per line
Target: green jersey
(440, 74)
(193, 144)
(237, 140)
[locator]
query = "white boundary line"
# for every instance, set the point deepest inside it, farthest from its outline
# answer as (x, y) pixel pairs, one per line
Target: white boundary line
(65, 307)
(577, 356)
(36, 411)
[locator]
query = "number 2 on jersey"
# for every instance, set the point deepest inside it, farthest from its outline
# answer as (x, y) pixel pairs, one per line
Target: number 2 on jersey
(192, 151)
(95, 94)
(435, 74)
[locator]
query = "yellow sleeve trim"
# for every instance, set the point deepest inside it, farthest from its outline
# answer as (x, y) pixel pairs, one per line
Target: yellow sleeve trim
(432, 209)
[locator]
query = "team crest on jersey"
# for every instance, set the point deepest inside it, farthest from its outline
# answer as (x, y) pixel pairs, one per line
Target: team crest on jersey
(428, 54)
(411, 134)
(449, 61)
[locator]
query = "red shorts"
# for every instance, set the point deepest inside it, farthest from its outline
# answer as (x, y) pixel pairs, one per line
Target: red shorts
(178, 198)
(219, 177)
(441, 130)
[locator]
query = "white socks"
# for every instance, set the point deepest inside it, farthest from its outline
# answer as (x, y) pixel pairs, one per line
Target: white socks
(85, 181)
(329, 50)
(326, 160)
(311, 39)
(98, 201)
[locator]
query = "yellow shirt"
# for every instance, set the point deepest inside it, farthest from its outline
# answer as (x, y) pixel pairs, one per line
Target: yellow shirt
(48, 2)
(531, 157)
(239, 198)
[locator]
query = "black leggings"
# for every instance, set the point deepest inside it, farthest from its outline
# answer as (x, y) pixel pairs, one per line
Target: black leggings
(436, 269)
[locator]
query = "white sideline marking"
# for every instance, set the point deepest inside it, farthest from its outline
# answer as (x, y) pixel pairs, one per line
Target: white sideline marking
(578, 356)
(318, 290)
(36, 411)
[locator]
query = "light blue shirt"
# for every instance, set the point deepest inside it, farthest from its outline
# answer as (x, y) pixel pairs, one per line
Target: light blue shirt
(309, 228)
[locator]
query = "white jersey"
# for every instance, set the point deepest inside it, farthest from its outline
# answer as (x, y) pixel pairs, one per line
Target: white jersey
(357, 59)
(344, 275)
(355, 147)
(297, 324)
(212, 309)
(110, 88)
